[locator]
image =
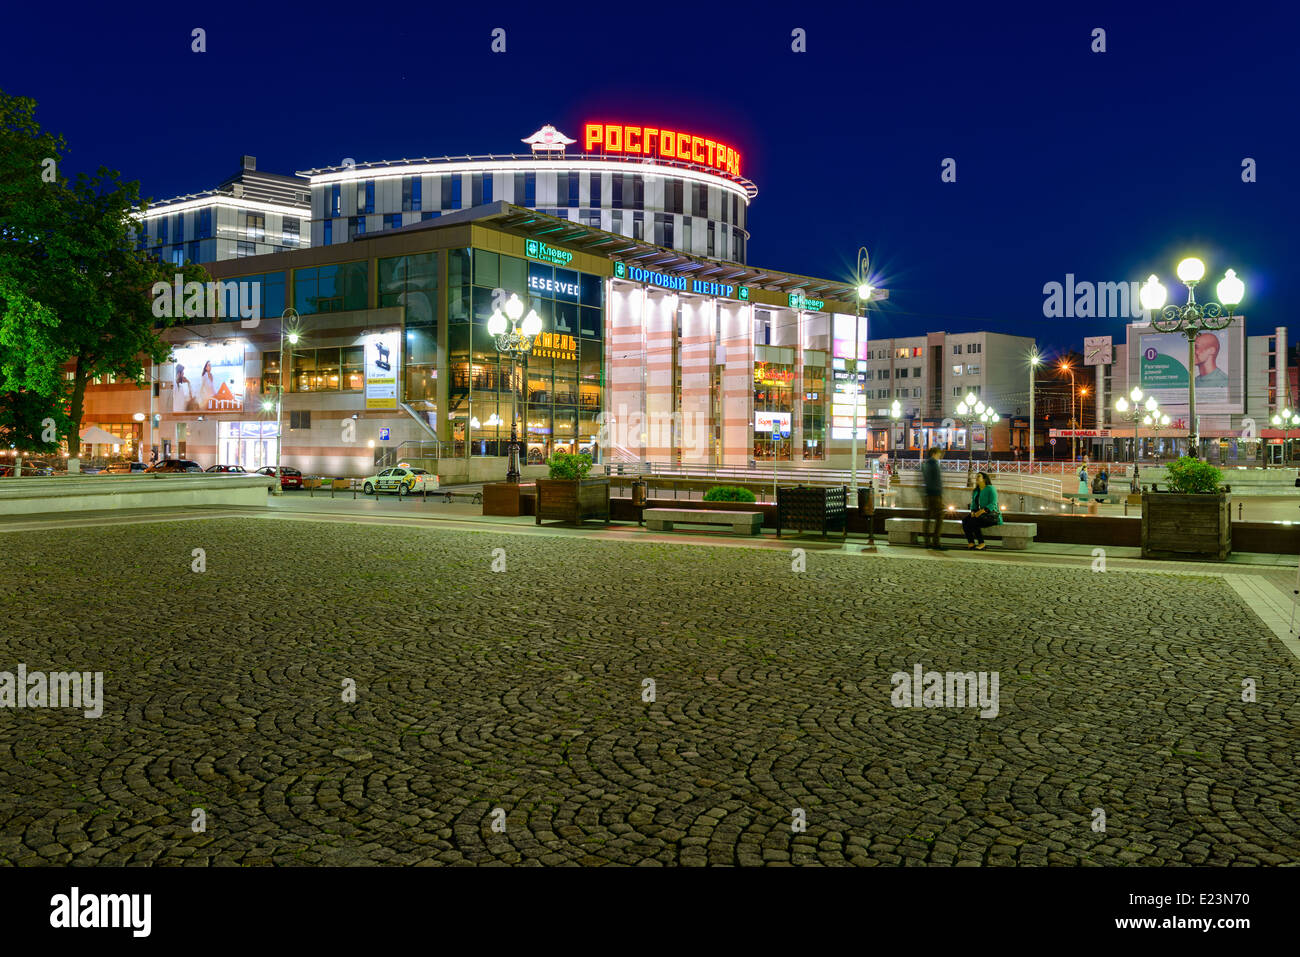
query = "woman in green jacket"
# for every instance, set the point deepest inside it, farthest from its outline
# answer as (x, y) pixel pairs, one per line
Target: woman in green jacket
(984, 511)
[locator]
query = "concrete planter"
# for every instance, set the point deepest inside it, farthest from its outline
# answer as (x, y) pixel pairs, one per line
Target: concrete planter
(1175, 525)
(572, 500)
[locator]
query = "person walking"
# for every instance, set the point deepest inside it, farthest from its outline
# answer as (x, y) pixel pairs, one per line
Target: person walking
(984, 512)
(1083, 479)
(932, 480)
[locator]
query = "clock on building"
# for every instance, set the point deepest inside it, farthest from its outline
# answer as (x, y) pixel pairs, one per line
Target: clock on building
(1097, 351)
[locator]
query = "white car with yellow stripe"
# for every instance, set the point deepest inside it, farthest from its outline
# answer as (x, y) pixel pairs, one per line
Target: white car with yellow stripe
(401, 479)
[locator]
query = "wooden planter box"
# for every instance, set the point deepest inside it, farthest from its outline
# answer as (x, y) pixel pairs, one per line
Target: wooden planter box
(507, 498)
(812, 509)
(1175, 525)
(572, 500)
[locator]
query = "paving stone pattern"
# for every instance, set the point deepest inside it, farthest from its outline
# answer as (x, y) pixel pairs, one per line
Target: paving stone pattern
(523, 690)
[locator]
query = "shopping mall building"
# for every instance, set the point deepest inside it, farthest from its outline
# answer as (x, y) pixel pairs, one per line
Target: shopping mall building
(659, 342)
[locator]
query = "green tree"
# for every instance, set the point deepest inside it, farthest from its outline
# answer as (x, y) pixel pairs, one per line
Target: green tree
(30, 358)
(73, 289)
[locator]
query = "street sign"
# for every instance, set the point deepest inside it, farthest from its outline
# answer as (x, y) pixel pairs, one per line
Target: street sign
(1079, 433)
(383, 435)
(1052, 441)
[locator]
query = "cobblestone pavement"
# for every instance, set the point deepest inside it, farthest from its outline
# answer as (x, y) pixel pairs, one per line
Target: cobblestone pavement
(523, 690)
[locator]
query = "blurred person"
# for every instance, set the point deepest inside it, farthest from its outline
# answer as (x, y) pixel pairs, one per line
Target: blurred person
(932, 482)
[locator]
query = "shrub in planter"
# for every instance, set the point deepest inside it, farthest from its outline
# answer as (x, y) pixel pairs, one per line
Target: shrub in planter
(1190, 476)
(568, 465)
(729, 493)
(568, 495)
(1192, 519)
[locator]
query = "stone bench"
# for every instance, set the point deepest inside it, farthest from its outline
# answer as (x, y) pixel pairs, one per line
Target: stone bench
(663, 519)
(907, 531)
(1110, 498)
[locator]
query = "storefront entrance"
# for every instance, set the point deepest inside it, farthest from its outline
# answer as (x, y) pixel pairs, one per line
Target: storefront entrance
(249, 444)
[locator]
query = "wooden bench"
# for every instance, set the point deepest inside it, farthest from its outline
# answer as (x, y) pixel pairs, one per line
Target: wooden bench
(906, 531)
(663, 519)
(475, 497)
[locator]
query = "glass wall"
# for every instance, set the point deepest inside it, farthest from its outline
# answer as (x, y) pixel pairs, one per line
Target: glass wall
(557, 387)
(335, 288)
(412, 282)
(814, 405)
(773, 407)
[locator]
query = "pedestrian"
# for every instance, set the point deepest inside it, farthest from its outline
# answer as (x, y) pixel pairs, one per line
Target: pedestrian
(932, 480)
(1083, 479)
(984, 512)
(883, 464)
(1103, 477)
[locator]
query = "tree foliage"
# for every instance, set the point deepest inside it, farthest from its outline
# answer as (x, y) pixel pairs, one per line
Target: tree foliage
(73, 289)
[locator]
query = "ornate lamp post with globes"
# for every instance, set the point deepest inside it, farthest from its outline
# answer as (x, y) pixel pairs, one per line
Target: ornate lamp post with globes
(515, 343)
(1287, 420)
(1148, 412)
(1192, 319)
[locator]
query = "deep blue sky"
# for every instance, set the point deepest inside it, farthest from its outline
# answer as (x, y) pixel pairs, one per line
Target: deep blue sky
(1109, 166)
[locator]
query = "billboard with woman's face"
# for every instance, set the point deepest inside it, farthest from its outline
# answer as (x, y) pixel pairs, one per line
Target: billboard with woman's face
(1216, 363)
(208, 378)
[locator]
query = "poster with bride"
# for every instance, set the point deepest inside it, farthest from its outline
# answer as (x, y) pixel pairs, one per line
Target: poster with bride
(208, 378)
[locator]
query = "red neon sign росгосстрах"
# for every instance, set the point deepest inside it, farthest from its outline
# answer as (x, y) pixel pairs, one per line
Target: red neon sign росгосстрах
(669, 144)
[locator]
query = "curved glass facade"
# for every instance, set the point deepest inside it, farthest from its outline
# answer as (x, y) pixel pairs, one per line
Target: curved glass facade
(698, 216)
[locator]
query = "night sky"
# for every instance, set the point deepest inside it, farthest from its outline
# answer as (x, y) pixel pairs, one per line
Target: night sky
(1106, 165)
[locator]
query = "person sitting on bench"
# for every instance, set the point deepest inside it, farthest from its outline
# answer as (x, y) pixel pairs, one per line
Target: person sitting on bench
(984, 512)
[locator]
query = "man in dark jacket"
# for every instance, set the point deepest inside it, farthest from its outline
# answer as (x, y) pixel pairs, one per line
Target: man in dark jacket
(932, 488)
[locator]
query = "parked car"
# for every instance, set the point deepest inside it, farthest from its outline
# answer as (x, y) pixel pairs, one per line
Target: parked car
(175, 465)
(125, 468)
(289, 478)
(400, 479)
(233, 469)
(30, 467)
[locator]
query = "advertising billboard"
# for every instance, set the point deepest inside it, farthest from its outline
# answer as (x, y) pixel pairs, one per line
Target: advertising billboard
(778, 422)
(382, 361)
(1217, 364)
(208, 378)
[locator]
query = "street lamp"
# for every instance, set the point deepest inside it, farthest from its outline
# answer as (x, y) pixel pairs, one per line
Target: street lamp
(515, 343)
(864, 296)
(289, 318)
(1074, 425)
(1034, 359)
(969, 406)
(1136, 409)
(989, 418)
(1193, 319)
(1286, 420)
(896, 413)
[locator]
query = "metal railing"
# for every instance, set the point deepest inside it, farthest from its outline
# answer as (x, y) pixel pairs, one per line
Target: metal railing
(1047, 484)
(426, 449)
